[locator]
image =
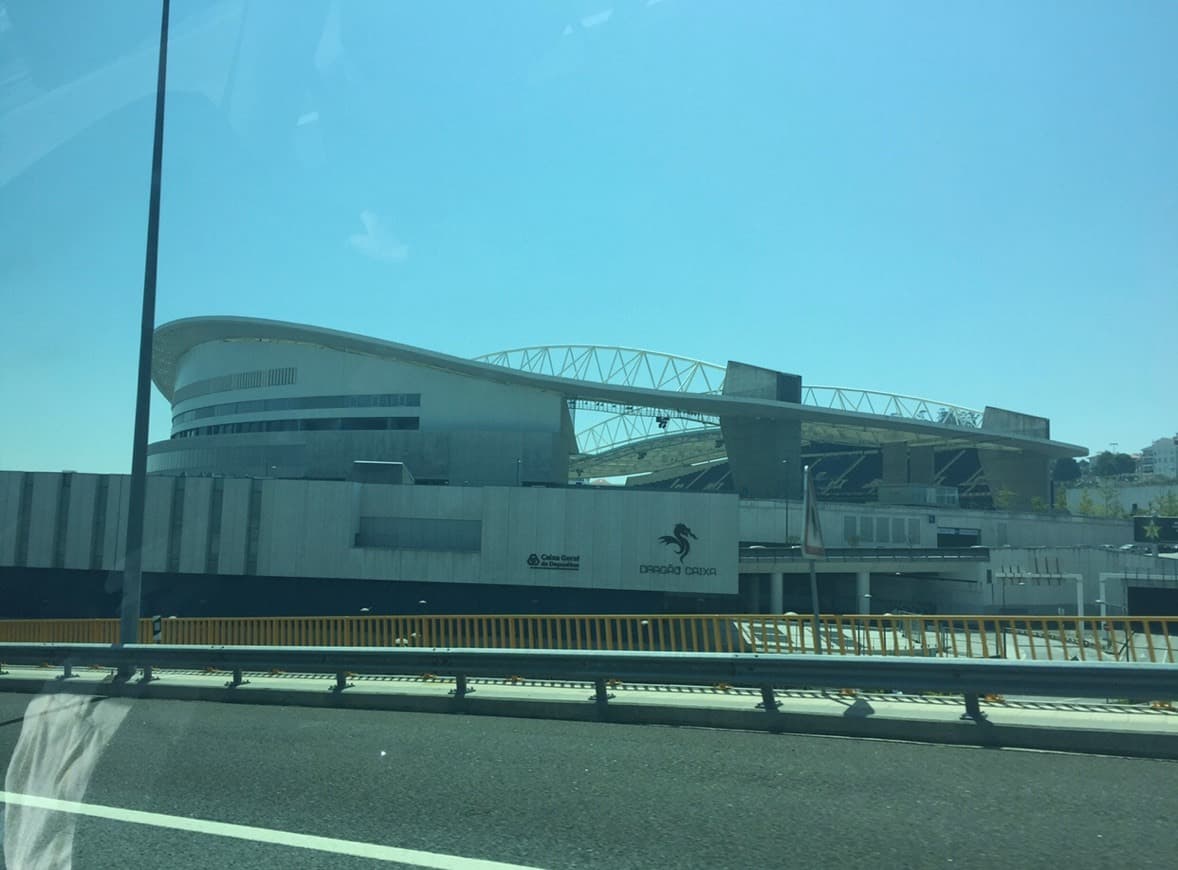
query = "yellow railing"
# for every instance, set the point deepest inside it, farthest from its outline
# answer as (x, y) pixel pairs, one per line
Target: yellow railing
(1144, 639)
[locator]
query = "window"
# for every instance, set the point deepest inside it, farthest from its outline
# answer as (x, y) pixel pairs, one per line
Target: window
(293, 403)
(312, 424)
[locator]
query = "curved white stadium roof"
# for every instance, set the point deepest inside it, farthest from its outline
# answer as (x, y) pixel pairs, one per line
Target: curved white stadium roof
(641, 389)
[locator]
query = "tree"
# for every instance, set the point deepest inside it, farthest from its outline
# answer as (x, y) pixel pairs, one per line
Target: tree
(1106, 464)
(1003, 499)
(1066, 470)
(1123, 463)
(1165, 505)
(1061, 499)
(1086, 507)
(1038, 504)
(1110, 498)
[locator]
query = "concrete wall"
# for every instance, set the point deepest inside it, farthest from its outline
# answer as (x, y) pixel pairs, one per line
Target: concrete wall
(1130, 499)
(309, 529)
(849, 525)
(580, 537)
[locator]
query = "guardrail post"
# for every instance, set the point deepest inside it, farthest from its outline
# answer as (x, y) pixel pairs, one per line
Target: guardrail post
(67, 672)
(147, 675)
(461, 689)
(341, 681)
(769, 702)
(601, 692)
(973, 709)
(237, 680)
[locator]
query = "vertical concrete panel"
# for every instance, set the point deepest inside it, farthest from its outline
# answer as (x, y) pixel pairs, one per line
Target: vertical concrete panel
(764, 455)
(114, 543)
(194, 536)
(157, 522)
(325, 508)
(1017, 477)
(895, 463)
(10, 487)
(496, 524)
(633, 549)
(81, 521)
(525, 527)
(234, 521)
(42, 519)
(921, 465)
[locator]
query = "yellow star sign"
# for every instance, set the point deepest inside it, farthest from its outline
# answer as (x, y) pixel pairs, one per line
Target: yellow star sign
(1152, 530)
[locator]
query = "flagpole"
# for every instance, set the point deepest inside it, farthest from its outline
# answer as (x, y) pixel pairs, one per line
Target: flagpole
(814, 605)
(813, 547)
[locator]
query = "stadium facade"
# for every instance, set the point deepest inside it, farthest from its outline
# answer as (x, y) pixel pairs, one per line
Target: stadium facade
(315, 471)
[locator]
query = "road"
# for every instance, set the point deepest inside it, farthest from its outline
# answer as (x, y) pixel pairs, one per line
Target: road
(565, 795)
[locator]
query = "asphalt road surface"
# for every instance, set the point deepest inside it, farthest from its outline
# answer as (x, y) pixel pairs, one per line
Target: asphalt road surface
(547, 794)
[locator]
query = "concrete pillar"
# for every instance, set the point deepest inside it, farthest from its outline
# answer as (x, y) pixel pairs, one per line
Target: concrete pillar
(921, 465)
(1016, 478)
(776, 592)
(764, 455)
(863, 591)
(895, 462)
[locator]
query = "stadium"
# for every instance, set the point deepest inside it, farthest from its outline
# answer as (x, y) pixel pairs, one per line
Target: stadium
(274, 399)
(316, 471)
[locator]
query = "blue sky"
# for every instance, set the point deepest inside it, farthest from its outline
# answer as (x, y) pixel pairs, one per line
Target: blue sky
(972, 202)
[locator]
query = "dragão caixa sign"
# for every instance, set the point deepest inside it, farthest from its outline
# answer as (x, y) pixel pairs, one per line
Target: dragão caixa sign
(611, 537)
(678, 543)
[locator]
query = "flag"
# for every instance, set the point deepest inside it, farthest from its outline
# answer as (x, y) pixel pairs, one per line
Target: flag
(812, 546)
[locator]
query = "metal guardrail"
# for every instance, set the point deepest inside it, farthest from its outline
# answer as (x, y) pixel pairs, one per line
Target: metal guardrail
(1033, 638)
(971, 679)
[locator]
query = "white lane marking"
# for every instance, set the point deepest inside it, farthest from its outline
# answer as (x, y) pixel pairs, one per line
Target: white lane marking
(276, 837)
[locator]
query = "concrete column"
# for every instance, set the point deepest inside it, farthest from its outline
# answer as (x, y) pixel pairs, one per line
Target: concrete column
(895, 462)
(1020, 477)
(921, 465)
(776, 591)
(764, 455)
(863, 591)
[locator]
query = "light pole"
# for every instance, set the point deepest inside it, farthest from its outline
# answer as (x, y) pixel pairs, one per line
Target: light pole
(137, 497)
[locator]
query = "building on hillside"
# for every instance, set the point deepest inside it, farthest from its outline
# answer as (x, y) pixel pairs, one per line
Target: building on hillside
(1160, 459)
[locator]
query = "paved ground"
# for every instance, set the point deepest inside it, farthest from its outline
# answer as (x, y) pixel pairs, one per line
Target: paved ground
(560, 794)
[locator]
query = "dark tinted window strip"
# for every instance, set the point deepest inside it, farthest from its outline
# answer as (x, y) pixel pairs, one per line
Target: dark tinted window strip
(313, 424)
(23, 511)
(253, 527)
(61, 521)
(98, 529)
(295, 403)
(240, 381)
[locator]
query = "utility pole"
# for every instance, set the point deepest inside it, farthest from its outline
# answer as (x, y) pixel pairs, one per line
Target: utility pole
(137, 500)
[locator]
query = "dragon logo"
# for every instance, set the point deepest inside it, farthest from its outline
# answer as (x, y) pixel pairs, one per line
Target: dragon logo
(678, 540)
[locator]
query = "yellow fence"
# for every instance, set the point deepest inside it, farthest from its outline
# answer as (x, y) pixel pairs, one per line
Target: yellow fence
(1144, 639)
